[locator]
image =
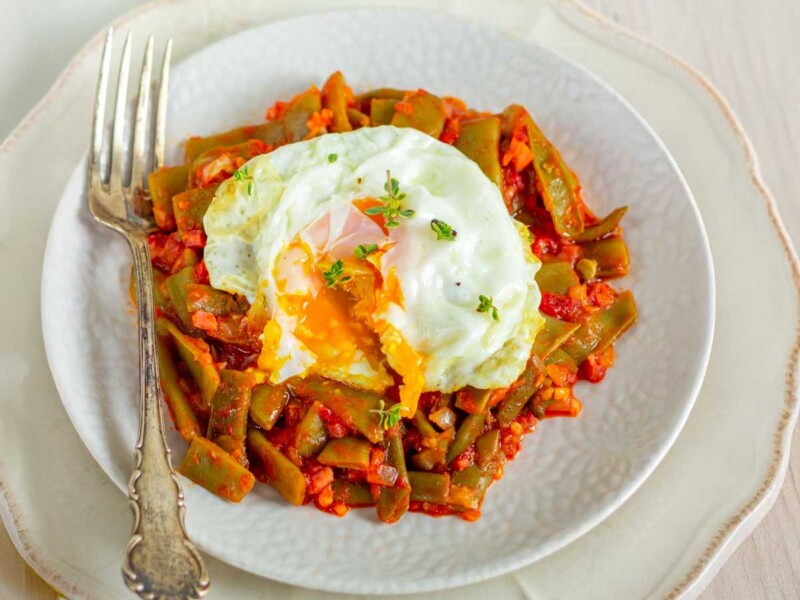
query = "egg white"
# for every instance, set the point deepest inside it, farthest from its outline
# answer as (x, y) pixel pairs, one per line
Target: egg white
(441, 281)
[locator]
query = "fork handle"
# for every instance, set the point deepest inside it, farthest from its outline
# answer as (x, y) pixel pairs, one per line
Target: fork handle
(160, 560)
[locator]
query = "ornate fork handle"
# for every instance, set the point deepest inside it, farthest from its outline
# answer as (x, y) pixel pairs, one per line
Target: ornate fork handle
(159, 544)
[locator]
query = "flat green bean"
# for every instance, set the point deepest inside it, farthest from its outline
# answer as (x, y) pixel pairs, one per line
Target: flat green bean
(227, 426)
(550, 337)
(311, 432)
(209, 465)
(393, 500)
(600, 329)
(281, 473)
(470, 429)
(556, 277)
(603, 228)
(611, 255)
(381, 111)
(352, 493)
(180, 409)
(433, 488)
(346, 453)
(165, 183)
(197, 357)
(522, 390)
(427, 114)
(335, 100)
(479, 140)
(267, 402)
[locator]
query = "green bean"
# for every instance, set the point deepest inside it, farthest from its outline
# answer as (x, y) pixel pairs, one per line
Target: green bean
(522, 390)
(334, 99)
(611, 255)
(267, 402)
(176, 288)
(227, 426)
(311, 432)
(473, 400)
(559, 357)
(381, 111)
(209, 465)
(427, 114)
(479, 140)
(603, 228)
(165, 183)
(427, 459)
(487, 448)
(197, 357)
(346, 453)
(470, 429)
(180, 409)
(190, 207)
(586, 268)
(195, 146)
(352, 493)
(557, 184)
(209, 299)
(433, 488)
(160, 294)
(357, 408)
(381, 93)
(468, 487)
(281, 473)
(271, 133)
(600, 329)
(300, 111)
(556, 277)
(357, 118)
(393, 501)
(424, 425)
(550, 337)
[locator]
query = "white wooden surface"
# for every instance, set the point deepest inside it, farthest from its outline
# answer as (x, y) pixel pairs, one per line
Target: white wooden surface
(747, 49)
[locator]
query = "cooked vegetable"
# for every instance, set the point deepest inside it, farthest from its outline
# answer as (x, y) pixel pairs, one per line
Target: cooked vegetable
(521, 391)
(164, 184)
(393, 500)
(209, 465)
(190, 207)
(334, 98)
(433, 488)
(230, 406)
(267, 402)
(381, 111)
(610, 255)
(282, 473)
(197, 358)
(311, 432)
(355, 494)
(552, 335)
(479, 140)
(601, 328)
(346, 453)
(422, 111)
(470, 429)
(180, 409)
(556, 277)
(602, 228)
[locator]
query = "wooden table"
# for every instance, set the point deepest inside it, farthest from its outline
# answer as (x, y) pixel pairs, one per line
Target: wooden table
(747, 49)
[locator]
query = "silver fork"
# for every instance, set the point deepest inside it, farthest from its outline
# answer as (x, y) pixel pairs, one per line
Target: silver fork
(160, 561)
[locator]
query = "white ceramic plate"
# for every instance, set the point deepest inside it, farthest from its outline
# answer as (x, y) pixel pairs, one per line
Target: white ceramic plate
(572, 473)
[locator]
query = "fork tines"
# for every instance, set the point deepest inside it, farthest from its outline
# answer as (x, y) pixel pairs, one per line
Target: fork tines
(118, 170)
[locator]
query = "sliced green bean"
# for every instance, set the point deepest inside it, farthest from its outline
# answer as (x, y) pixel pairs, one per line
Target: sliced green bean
(195, 146)
(472, 400)
(267, 402)
(523, 389)
(190, 207)
(209, 465)
(346, 453)
(381, 111)
(393, 501)
(468, 487)
(559, 357)
(358, 408)
(470, 429)
(428, 458)
(176, 288)
(427, 114)
(550, 337)
(246, 150)
(381, 93)
(352, 493)
(424, 425)
(334, 98)
(311, 432)
(603, 228)
(227, 426)
(600, 329)
(197, 357)
(556, 277)
(281, 473)
(479, 140)
(180, 409)
(209, 299)
(487, 448)
(556, 182)
(165, 183)
(611, 255)
(300, 111)
(433, 488)
(357, 118)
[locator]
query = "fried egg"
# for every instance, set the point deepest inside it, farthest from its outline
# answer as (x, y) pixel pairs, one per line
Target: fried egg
(401, 300)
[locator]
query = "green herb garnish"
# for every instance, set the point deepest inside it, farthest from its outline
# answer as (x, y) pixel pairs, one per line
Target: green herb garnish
(388, 418)
(332, 158)
(364, 250)
(443, 230)
(243, 175)
(391, 203)
(335, 275)
(487, 306)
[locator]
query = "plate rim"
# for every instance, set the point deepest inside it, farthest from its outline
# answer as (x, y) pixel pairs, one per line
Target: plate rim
(689, 79)
(520, 558)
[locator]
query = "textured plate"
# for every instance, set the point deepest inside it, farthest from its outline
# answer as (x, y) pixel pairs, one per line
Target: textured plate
(571, 474)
